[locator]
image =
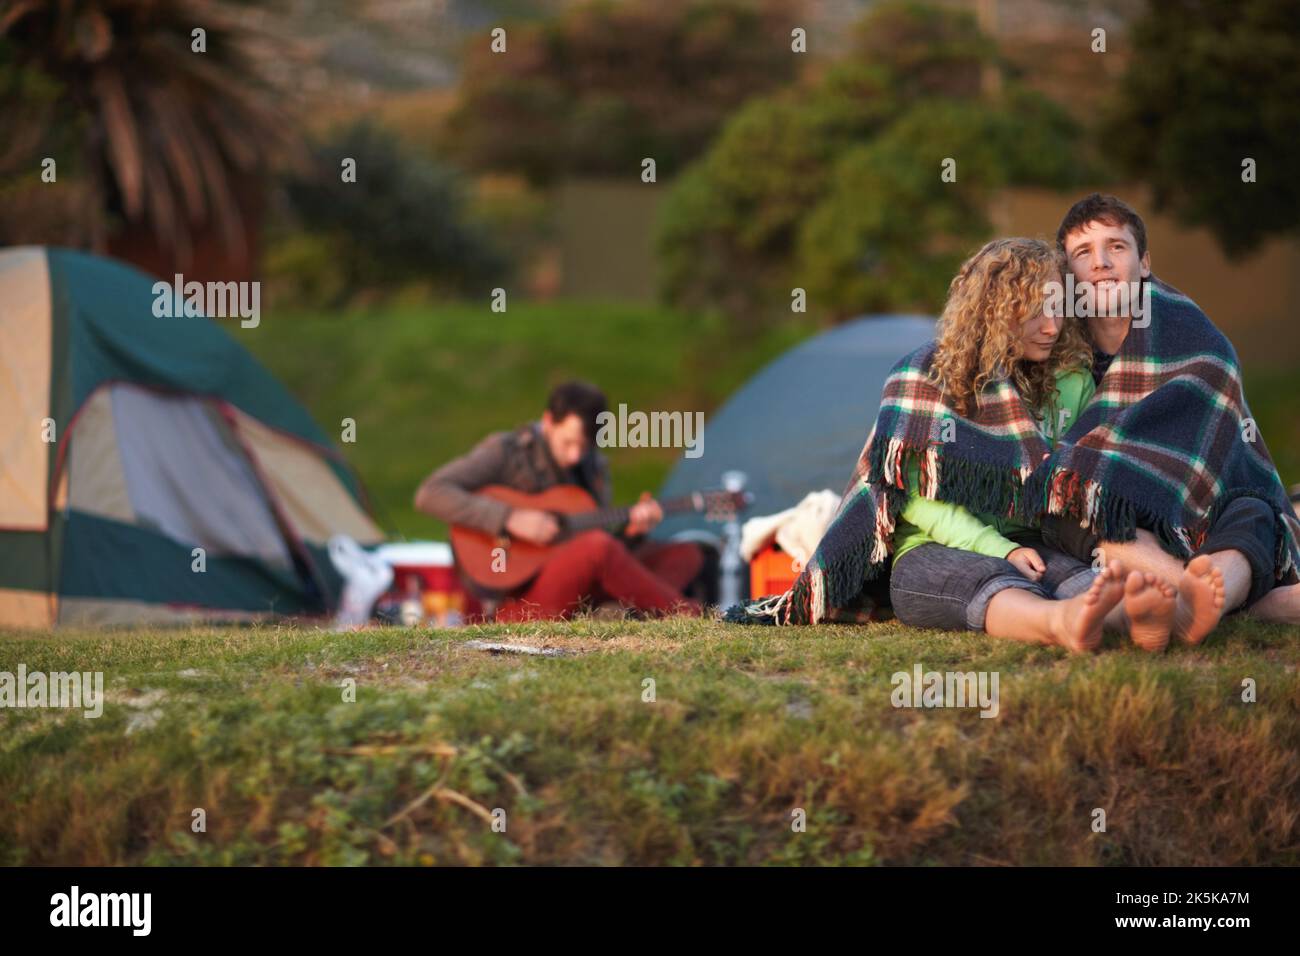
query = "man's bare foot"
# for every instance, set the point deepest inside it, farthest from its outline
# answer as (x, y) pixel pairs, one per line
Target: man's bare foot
(1076, 622)
(1149, 605)
(1200, 600)
(1280, 604)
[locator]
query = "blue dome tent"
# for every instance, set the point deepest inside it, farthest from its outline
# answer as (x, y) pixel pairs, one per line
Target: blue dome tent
(799, 424)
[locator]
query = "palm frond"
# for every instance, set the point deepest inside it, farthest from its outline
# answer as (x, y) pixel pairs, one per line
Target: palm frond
(171, 129)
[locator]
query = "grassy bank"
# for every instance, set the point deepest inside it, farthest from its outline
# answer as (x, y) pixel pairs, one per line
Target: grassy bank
(424, 383)
(747, 726)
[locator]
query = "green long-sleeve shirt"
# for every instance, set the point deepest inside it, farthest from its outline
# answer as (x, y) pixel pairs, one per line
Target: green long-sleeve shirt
(924, 520)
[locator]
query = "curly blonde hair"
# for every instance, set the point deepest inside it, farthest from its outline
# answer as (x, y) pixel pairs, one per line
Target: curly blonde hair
(979, 337)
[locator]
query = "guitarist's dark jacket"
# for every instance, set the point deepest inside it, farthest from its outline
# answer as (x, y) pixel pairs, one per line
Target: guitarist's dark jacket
(519, 459)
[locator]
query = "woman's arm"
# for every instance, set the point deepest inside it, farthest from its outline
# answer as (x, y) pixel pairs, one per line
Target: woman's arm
(952, 525)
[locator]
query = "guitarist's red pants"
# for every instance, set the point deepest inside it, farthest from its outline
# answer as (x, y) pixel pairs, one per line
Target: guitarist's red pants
(595, 566)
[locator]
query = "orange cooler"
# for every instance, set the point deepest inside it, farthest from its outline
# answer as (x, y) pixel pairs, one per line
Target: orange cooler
(771, 572)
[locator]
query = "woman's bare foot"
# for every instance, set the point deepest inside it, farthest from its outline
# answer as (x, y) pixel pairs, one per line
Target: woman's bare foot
(1149, 605)
(1076, 622)
(1200, 600)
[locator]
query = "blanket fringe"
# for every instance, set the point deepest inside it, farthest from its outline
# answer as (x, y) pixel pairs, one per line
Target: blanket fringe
(818, 582)
(1113, 518)
(766, 610)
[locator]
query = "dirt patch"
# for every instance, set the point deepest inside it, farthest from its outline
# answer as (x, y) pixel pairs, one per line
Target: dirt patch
(498, 647)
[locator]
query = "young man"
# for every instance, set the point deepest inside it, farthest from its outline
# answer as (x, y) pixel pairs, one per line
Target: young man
(1105, 243)
(592, 566)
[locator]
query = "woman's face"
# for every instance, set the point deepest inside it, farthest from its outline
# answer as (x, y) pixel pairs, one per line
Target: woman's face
(1038, 334)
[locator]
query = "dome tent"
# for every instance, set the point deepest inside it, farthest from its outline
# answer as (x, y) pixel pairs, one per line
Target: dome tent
(151, 470)
(799, 424)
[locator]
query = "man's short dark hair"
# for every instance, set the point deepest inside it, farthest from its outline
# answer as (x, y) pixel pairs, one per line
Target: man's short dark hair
(1111, 210)
(577, 398)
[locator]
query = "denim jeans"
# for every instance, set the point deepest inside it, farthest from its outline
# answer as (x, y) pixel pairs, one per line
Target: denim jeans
(1246, 525)
(946, 588)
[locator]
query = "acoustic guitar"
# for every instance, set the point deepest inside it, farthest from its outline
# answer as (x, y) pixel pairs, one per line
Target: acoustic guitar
(500, 564)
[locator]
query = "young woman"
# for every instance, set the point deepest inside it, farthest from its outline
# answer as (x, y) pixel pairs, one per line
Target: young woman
(956, 570)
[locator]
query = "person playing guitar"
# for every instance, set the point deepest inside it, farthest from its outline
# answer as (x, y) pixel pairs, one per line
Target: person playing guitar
(593, 565)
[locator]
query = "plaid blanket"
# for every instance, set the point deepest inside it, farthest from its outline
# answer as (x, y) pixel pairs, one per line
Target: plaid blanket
(1168, 441)
(1165, 444)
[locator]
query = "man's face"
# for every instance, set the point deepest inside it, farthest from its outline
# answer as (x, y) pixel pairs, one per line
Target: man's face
(566, 439)
(1105, 255)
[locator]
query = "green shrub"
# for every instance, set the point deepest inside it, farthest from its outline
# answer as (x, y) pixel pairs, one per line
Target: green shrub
(404, 219)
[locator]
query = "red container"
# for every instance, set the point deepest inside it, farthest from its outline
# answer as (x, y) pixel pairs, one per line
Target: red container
(432, 567)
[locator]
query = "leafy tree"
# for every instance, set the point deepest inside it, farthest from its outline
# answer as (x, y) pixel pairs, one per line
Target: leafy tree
(835, 187)
(889, 231)
(927, 50)
(599, 88)
(404, 218)
(1208, 86)
(728, 228)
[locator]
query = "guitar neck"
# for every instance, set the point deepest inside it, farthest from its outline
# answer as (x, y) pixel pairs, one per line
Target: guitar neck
(614, 518)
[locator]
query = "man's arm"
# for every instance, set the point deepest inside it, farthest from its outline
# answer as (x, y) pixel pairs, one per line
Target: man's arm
(448, 493)
(604, 483)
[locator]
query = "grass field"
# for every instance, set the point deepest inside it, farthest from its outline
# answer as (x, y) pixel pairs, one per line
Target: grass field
(747, 726)
(424, 383)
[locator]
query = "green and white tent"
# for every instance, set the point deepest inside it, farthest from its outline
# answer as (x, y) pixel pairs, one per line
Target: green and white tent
(151, 470)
